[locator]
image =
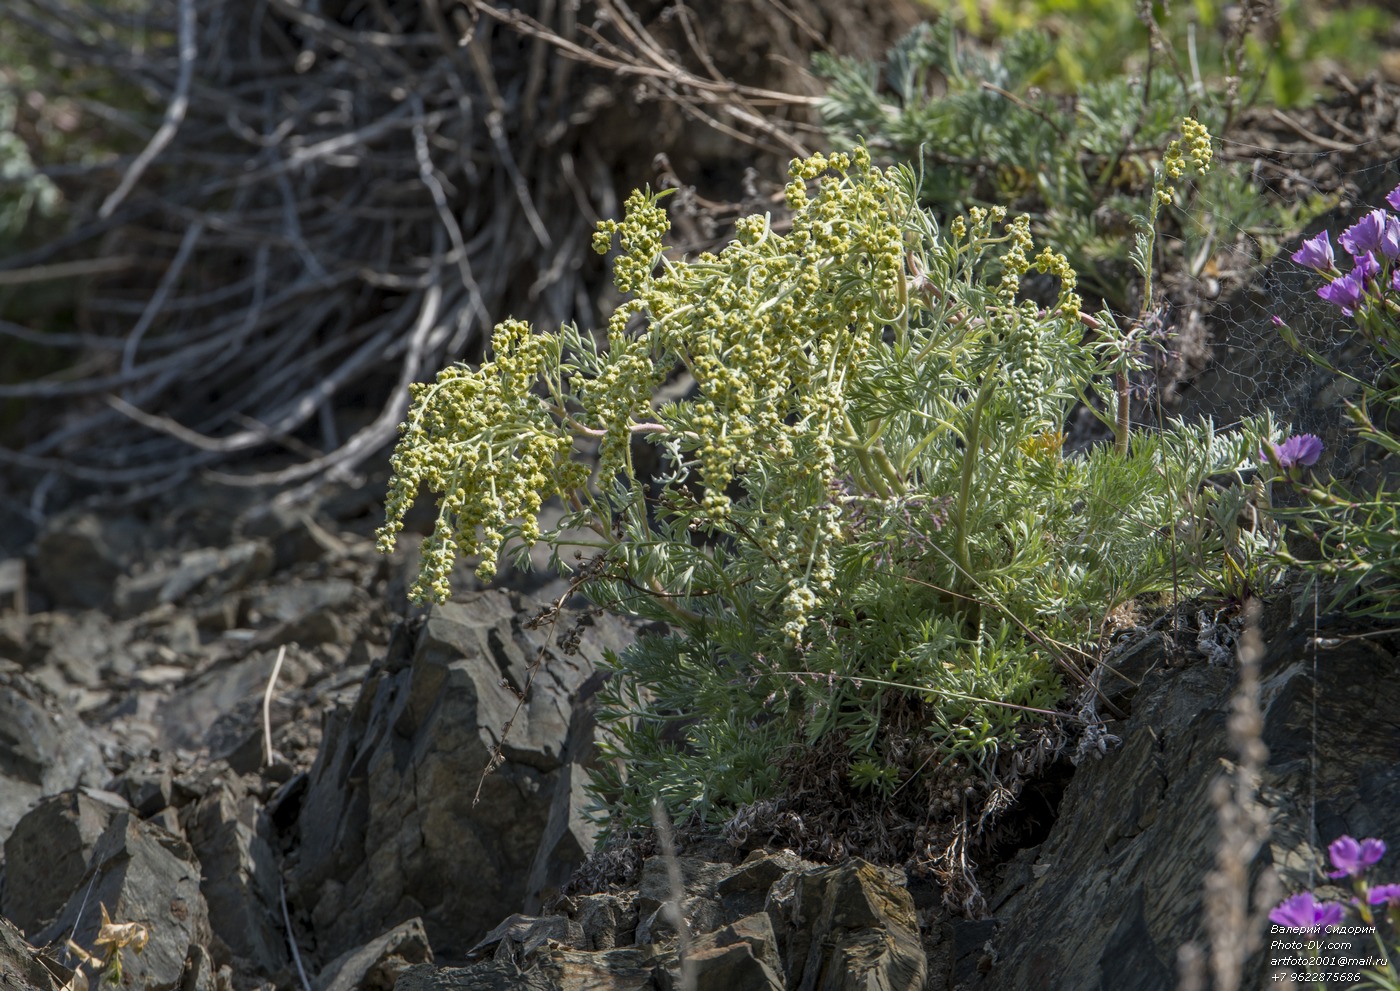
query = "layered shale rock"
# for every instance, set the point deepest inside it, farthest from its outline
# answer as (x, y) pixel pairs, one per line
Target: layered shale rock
(391, 828)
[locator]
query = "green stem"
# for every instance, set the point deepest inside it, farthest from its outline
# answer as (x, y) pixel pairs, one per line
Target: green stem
(903, 310)
(871, 474)
(973, 441)
(1151, 247)
(887, 467)
(874, 475)
(908, 461)
(878, 473)
(1389, 968)
(1123, 421)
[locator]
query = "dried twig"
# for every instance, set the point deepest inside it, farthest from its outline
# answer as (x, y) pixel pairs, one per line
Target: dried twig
(267, 705)
(675, 907)
(279, 249)
(1235, 930)
(174, 114)
(64, 270)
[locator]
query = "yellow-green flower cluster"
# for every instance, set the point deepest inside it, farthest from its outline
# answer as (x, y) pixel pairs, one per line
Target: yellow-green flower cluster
(619, 393)
(984, 220)
(641, 233)
(778, 321)
(1051, 262)
(977, 230)
(1198, 145)
(1189, 154)
(1016, 260)
(485, 442)
(773, 330)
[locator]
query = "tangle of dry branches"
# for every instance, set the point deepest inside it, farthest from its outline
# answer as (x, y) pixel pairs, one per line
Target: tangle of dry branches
(322, 201)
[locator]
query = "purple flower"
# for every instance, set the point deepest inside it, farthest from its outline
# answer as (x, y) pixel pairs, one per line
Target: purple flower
(1349, 856)
(1395, 280)
(1366, 268)
(1377, 231)
(1384, 893)
(1301, 912)
(1301, 449)
(1316, 253)
(1390, 239)
(1277, 320)
(1346, 292)
(1393, 198)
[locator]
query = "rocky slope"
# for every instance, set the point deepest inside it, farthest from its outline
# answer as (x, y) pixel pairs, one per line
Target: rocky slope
(349, 849)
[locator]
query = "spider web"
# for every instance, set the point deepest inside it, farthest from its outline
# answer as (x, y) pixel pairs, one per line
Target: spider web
(1226, 357)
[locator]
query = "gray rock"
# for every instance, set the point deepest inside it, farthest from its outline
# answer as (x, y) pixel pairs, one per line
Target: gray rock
(1117, 886)
(752, 886)
(190, 717)
(407, 769)
(608, 920)
(702, 910)
(240, 877)
(851, 926)
(208, 573)
(390, 828)
(569, 835)
(47, 855)
(520, 936)
(310, 612)
(147, 785)
(295, 599)
(43, 751)
(1129, 664)
(200, 974)
(86, 647)
(742, 956)
(297, 538)
(140, 873)
(376, 966)
(79, 556)
(15, 638)
(611, 970)
(20, 969)
(167, 637)
(63, 651)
